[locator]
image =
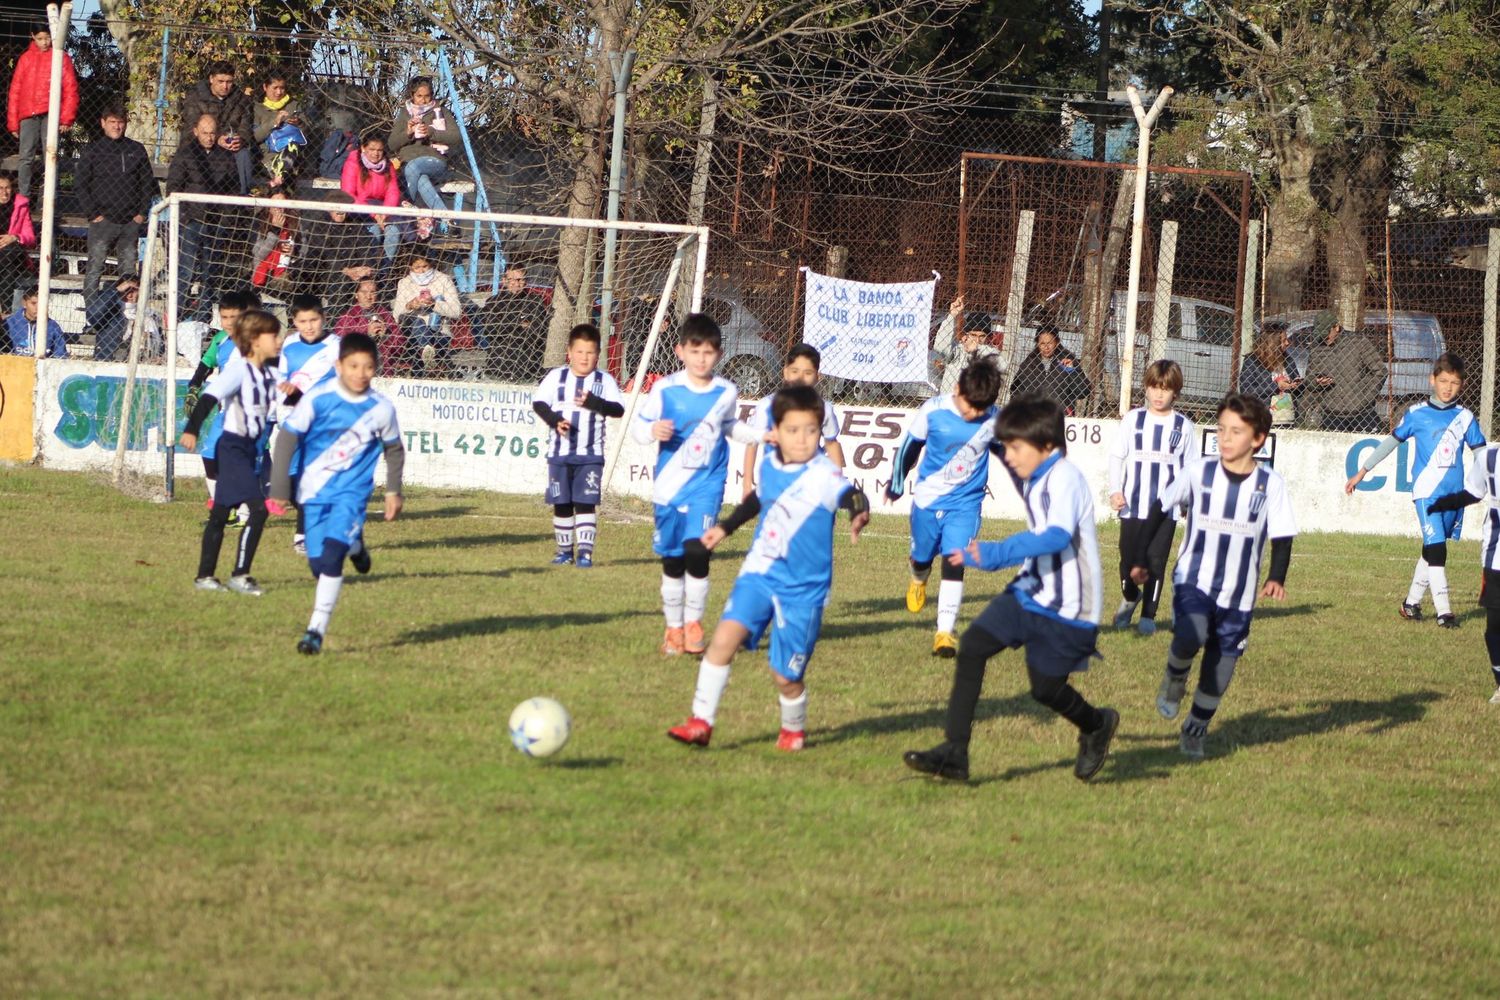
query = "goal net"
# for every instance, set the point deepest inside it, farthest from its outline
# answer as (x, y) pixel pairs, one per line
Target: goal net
(469, 310)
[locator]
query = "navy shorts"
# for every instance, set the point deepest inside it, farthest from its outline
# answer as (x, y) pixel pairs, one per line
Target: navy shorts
(1230, 626)
(1053, 647)
(239, 476)
(574, 483)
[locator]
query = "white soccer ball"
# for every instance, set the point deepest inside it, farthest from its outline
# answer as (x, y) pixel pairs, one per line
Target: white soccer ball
(539, 727)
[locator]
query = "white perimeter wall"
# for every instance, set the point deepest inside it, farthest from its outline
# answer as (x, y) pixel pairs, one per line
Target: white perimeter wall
(481, 436)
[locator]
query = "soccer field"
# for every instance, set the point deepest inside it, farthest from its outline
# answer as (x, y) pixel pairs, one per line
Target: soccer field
(188, 807)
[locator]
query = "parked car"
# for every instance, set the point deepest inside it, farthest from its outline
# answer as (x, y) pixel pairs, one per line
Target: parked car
(1416, 345)
(752, 354)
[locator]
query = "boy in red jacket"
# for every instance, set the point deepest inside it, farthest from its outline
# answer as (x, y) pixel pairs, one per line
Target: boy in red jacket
(26, 112)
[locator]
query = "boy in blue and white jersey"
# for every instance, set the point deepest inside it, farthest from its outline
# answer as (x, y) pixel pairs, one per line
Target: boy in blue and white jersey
(216, 354)
(307, 361)
(801, 368)
(1151, 449)
(339, 430)
(957, 434)
(787, 572)
(691, 415)
(1233, 505)
(573, 400)
(1482, 485)
(1051, 608)
(1442, 429)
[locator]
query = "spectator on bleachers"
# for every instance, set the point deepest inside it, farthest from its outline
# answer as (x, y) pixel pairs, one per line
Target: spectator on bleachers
(335, 152)
(421, 140)
(426, 300)
(19, 237)
(114, 186)
(26, 111)
(1270, 374)
(513, 323)
(1053, 371)
(217, 95)
(275, 249)
(277, 110)
(111, 315)
(21, 326)
(337, 254)
(368, 315)
(370, 179)
(201, 167)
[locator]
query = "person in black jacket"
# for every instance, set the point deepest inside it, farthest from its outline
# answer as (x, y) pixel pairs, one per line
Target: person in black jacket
(203, 167)
(114, 185)
(337, 253)
(218, 96)
(1052, 371)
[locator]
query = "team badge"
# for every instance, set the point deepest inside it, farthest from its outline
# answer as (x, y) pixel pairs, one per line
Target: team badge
(1257, 501)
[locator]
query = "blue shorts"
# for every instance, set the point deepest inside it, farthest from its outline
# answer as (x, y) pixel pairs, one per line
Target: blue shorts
(1444, 526)
(1230, 627)
(938, 532)
(208, 444)
(574, 483)
(340, 521)
(1053, 647)
(754, 604)
(677, 523)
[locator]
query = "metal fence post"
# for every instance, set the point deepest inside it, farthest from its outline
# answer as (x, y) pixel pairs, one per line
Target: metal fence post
(1252, 275)
(59, 23)
(1144, 120)
(1487, 378)
(1016, 301)
(1161, 306)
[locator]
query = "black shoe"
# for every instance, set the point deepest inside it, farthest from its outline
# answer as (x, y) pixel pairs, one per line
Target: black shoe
(1411, 612)
(361, 562)
(1447, 621)
(311, 643)
(946, 760)
(1093, 747)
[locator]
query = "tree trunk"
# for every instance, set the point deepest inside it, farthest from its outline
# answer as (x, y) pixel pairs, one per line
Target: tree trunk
(1358, 193)
(141, 71)
(698, 192)
(1293, 221)
(1098, 292)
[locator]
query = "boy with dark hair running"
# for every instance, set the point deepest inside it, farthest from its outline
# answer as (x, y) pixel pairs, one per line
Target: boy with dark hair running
(308, 360)
(802, 366)
(1051, 608)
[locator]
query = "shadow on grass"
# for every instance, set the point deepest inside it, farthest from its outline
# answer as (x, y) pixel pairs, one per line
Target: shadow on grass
(493, 624)
(928, 721)
(467, 541)
(587, 763)
(436, 512)
(1264, 610)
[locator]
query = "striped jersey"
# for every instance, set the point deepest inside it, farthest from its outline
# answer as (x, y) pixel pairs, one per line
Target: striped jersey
(244, 393)
(1441, 434)
(955, 465)
(305, 365)
(1148, 454)
(1482, 479)
(793, 544)
(584, 442)
(760, 419)
(693, 464)
(1229, 518)
(342, 436)
(1063, 585)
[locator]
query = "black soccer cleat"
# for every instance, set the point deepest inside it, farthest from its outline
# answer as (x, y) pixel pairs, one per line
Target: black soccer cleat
(1447, 621)
(946, 760)
(311, 643)
(361, 561)
(1411, 612)
(1093, 748)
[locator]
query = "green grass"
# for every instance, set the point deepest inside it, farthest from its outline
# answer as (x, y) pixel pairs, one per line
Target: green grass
(189, 808)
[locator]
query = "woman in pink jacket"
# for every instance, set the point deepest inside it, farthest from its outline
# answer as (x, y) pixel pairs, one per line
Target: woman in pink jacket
(26, 111)
(18, 238)
(369, 179)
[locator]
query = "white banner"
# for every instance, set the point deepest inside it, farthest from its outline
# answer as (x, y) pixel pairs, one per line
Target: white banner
(868, 332)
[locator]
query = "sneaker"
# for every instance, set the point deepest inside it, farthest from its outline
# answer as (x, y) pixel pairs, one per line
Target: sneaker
(1169, 696)
(1093, 747)
(562, 559)
(791, 740)
(944, 645)
(946, 760)
(361, 560)
(299, 544)
(235, 519)
(208, 504)
(1146, 626)
(1191, 744)
(208, 583)
(585, 560)
(694, 732)
(671, 643)
(1495, 698)
(1125, 613)
(692, 638)
(245, 585)
(1447, 621)
(1411, 612)
(311, 643)
(916, 596)
(275, 508)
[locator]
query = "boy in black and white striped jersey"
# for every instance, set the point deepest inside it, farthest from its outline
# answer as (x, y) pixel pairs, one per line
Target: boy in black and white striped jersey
(1154, 444)
(1482, 485)
(574, 401)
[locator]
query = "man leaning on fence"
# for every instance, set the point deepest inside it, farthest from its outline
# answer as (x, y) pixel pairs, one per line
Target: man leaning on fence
(1346, 372)
(114, 186)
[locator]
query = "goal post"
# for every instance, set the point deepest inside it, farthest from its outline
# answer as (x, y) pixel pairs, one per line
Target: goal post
(201, 246)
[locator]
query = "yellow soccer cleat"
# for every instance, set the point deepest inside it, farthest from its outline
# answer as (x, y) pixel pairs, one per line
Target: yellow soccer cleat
(916, 596)
(945, 645)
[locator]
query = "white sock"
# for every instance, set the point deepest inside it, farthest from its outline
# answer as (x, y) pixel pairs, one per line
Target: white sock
(712, 680)
(696, 598)
(794, 712)
(1418, 583)
(210, 484)
(244, 511)
(950, 596)
(326, 597)
(562, 530)
(1439, 577)
(671, 600)
(586, 527)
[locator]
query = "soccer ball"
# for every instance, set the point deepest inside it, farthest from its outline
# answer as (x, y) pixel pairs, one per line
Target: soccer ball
(539, 727)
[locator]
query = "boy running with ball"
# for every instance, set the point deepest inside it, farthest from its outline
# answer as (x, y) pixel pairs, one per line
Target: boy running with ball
(787, 572)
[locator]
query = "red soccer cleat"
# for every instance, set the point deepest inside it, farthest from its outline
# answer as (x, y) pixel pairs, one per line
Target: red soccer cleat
(671, 642)
(274, 508)
(694, 732)
(791, 739)
(692, 638)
